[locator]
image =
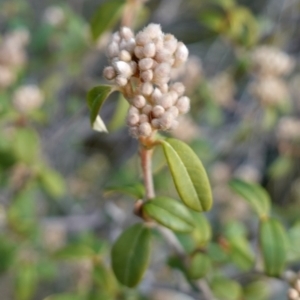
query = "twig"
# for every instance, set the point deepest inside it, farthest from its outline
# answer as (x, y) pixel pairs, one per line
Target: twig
(146, 155)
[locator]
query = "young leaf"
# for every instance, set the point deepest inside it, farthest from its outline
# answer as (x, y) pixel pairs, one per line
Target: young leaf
(137, 190)
(106, 16)
(202, 231)
(273, 241)
(199, 266)
(75, 251)
(169, 213)
(226, 289)
(131, 253)
(188, 174)
(257, 290)
(254, 194)
(95, 98)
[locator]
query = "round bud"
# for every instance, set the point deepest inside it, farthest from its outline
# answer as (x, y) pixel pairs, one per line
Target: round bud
(133, 110)
(138, 51)
(293, 294)
(109, 73)
(146, 64)
(181, 54)
(183, 104)
(132, 119)
(116, 37)
(133, 131)
(156, 95)
(145, 129)
(163, 55)
(158, 111)
(174, 96)
(146, 88)
(123, 68)
(112, 50)
(124, 55)
(139, 101)
(153, 30)
(130, 45)
(149, 50)
(166, 101)
(164, 88)
(166, 120)
(174, 111)
(142, 38)
(144, 118)
(121, 81)
(146, 75)
(170, 43)
(162, 73)
(155, 123)
(126, 33)
(133, 66)
(178, 87)
(147, 109)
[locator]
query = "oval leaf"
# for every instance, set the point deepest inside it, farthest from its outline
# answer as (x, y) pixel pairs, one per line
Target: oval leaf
(188, 174)
(95, 98)
(136, 190)
(169, 213)
(202, 231)
(199, 266)
(106, 16)
(273, 243)
(130, 254)
(226, 289)
(254, 194)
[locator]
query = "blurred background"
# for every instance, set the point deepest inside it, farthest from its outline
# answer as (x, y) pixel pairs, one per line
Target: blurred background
(58, 217)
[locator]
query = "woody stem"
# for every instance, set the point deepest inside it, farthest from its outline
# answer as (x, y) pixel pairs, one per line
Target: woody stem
(146, 161)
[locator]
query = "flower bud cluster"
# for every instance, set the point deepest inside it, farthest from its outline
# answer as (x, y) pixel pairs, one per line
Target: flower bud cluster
(294, 291)
(141, 66)
(12, 55)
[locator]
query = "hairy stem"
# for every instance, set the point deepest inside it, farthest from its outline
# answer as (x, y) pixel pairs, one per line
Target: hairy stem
(146, 156)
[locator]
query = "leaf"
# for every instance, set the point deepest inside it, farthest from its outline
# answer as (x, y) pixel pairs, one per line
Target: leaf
(104, 278)
(118, 120)
(280, 167)
(188, 175)
(257, 290)
(106, 16)
(169, 213)
(199, 266)
(131, 254)
(75, 251)
(254, 194)
(135, 190)
(273, 242)
(226, 289)
(95, 98)
(294, 243)
(202, 230)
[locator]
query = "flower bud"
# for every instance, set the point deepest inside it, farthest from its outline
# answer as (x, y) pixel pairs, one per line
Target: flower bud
(166, 120)
(146, 75)
(139, 52)
(130, 45)
(174, 111)
(166, 101)
(133, 110)
(293, 294)
(158, 111)
(144, 118)
(126, 33)
(155, 123)
(123, 68)
(147, 109)
(183, 104)
(170, 43)
(121, 81)
(116, 37)
(181, 54)
(146, 88)
(139, 101)
(133, 119)
(163, 55)
(145, 129)
(164, 88)
(149, 50)
(142, 38)
(133, 66)
(109, 73)
(146, 64)
(124, 55)
(156, 95)
(178, 87)
(162, 73)
(153, 30)
(112, 50)
(133, 131)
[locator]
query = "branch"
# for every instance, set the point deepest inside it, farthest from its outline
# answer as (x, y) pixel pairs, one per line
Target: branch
(146, 155)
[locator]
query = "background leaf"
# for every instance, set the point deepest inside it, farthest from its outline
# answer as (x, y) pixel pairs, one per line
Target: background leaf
(199, 266)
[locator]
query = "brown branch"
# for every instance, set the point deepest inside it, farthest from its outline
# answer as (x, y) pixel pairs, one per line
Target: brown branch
(146, 156)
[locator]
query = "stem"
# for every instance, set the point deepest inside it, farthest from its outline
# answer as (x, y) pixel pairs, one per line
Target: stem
(146, 155)
(130, 12)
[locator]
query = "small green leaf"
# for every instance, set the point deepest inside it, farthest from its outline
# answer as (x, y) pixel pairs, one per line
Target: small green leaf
(135, 190)
(199, 266)
(169, 213)
(254, 194)
(52, 182)
(95, 98)
(226, 289)
(294, 243)
(119, 118)
(75, 251)
(281, 167)
(104, 278)
(188, 174)
(257, 290)
(106, 16)
(131, 254)
(202, 231)
(273, 241)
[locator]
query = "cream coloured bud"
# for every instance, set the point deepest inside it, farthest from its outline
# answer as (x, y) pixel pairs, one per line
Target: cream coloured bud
(146, 64)
(121, 81)
(153, 30)
(109, 73)
(133, 66)
(164, 88)
(183, 104)
(293, 294)
(139, 101)
(158, 111)
(163, 55)
(145, 129)
(124, 55)
(174, 111)
(297, 285)
(166, 101)
(126, 33)
(113, 50)
(174, 96)
(133, 131)
(133, 110)
(155, 123)
(130, 45)
(147, 109)
(123, 68)
(133, 119)
(149, 50)
(138, 51)
(144, 118)
(116, 37)
(142, 38)
(146, 75)
(170, 43)
(156, 95)
(166, 120)
(146, 88)
(178, 87)
(162, 73)
(181, 54)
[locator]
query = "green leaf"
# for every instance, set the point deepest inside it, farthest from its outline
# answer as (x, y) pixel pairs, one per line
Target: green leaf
(254, 194)
(273, 242)
(202, 230)
(226, 289)
(188, 175)
(169, 213)
(26, 282)
(131, 254)
(106, 16)
(281, 167)
(64, 296)
(199, 266)
(118, 120)
(75, 251)
(95, 98)
(104, 278)
(135, 190)
(257, 290)
(294, 243)
(7, 253)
